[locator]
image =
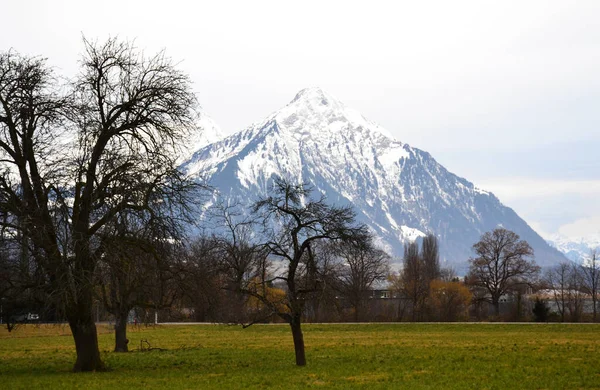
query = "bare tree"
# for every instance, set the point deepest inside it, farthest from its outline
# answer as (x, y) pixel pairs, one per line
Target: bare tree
(576, 295)
(420, 269)
(413, 280)
(590, 272)
(501, 263)
(431, 258)
(240, 259)
(292, 223)
(136, 269)
(558, 280)
(362, 266)
(72, 162)
(21, 280)
(323, 303)
(199, 279)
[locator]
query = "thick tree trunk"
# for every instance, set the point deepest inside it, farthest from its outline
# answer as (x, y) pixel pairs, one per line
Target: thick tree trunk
(358, 310)
(496, 304)
(298, 341)
(519, 306)
(121, 332)
(86, 344)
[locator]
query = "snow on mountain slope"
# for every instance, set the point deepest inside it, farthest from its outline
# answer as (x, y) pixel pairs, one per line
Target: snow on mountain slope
(208, 133)
(577, 249)
(401, 192)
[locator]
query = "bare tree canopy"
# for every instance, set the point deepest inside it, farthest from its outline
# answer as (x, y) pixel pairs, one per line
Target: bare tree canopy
(292, 222)
(414, 284)
(566, 282)
(73, 157)
(590, 273)
(362, 266)
(558, 279)
(137, 268)
(430, 253)
(502, 262)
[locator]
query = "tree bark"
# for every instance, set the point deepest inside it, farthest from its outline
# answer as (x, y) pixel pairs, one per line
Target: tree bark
(358, 310)
(496, 304)
(414, 310)
(298, 341)
(121, 341)
(86, 344)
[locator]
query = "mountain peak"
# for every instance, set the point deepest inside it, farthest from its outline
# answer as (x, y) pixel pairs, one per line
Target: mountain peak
(315, 113)
(316, 101)
(400, 192)
(314, 95)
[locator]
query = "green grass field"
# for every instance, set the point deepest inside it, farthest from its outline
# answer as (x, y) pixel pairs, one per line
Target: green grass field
(413, 356)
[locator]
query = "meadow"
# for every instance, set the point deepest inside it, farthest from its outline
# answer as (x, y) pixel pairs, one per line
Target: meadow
(373, 356)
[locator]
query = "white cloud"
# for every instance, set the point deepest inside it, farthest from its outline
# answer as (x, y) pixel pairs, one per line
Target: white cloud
(508, 189)
(583, 227)
(540, 229)
(567, 207)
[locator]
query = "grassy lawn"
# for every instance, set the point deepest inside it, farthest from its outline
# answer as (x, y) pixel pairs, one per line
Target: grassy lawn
(369, 356)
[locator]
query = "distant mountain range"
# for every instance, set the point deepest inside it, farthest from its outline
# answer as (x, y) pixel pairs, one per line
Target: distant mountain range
(577, 249)
(400, 192)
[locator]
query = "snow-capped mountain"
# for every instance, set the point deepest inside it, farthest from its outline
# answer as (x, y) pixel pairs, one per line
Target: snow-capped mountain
(209, 133)
(577, 249)
(401, 192)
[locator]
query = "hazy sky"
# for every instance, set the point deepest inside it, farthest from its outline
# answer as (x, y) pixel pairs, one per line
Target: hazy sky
(503, 93)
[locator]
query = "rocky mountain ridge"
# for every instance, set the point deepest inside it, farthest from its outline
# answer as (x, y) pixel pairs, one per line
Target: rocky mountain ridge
(401, 192)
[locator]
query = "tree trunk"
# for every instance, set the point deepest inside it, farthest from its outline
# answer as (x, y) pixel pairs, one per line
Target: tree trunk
(315, 306)
(496, 304)
(298, 341)
(519, 306)
(121, 332)
(86, 343)
(356, 304)
(562, 310)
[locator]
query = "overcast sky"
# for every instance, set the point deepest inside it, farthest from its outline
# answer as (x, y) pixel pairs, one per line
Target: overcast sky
(503, 93)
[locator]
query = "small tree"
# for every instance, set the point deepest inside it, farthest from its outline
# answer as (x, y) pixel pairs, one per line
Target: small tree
(241, 261)
(501, 263)
(590, 273)
(420, 269)
(449, 300)
(558, 279)
(431, 257)
(21, 280)
(200, 281)
(292, 222)
(361, 267)
(135, 270)
(575, 293)
(413, 281)
(540, 310)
